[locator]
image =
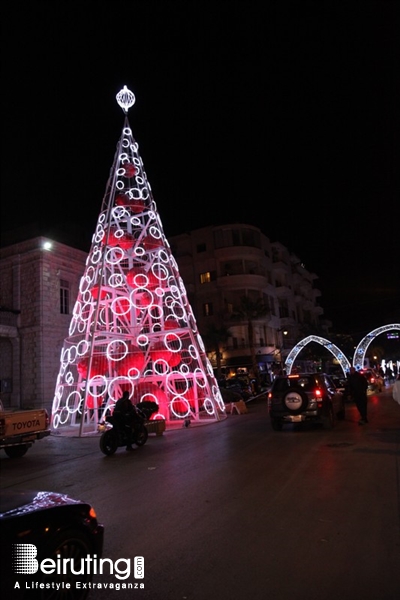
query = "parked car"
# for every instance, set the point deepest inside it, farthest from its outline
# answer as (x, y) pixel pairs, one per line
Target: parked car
(57, 525)
(376, 383)
(305, 397)
(241, 385)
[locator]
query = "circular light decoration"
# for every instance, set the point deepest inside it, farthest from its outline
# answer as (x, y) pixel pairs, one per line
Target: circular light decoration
(125, 99)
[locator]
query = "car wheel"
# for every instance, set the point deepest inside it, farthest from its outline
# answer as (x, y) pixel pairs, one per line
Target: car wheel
(276, 424)
(141, 436)
(328, 420)
(70, 544)
(16, 451)
(295, 401)
(108, 442)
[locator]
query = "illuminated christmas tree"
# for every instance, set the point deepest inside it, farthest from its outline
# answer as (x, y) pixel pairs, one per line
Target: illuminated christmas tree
(132, 326)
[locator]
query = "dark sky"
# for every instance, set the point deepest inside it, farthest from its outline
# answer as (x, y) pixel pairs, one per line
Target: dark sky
(283, 115)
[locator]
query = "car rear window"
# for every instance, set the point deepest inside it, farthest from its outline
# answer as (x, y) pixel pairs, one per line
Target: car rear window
(283, 383)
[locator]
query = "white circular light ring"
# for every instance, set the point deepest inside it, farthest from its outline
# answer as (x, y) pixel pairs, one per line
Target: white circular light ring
(155, 312)
(200, 343)
(113, 351)
(73, 402)
(173, 342)
(69, 378)
(81, 327)
(98, 381)
(72, 327)
(115, 384)
(138, 294)
(193, 352)
(139, 251)
(161, 367)
(179, 415)
(160, 271)
(82, 347)
(116, 280)
(170, 383)
(177, 310)
(133, 373)
(90, 274)
(119, 213)
(84, 284)
(201, 379)
(184, 369)
(134, 221)
(119, 301)
(87, 310)
(209, 407)
(174, 290)
(142, 340)
(114, 256)
(69, 355)
(210, 369)
(96, 257)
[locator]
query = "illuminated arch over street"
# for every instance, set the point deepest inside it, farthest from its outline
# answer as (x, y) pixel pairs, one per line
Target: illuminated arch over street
(337, 353)
(359, 355)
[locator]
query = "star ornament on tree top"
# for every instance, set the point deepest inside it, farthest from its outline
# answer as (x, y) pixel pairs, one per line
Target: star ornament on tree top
(125, 99)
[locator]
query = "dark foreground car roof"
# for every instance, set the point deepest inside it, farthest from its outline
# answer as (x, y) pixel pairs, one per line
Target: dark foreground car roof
(17, 503)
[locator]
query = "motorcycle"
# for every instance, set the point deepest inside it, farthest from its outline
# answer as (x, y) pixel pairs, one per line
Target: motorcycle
(114, 437)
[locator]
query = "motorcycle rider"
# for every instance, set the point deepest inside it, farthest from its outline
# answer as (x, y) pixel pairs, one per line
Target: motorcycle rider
(125, 416)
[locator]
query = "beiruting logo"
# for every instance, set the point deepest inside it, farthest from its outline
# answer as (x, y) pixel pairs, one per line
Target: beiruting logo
(24, 560)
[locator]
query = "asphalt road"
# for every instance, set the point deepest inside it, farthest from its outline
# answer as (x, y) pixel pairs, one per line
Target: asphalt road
(236, 511)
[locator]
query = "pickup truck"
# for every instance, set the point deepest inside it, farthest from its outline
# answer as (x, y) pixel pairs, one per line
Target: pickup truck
(21, 428)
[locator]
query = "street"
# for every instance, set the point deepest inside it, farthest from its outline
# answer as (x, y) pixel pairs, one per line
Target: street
(235, 510)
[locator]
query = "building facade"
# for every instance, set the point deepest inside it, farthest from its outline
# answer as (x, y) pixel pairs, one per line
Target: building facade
(39, 281)
(219, 266)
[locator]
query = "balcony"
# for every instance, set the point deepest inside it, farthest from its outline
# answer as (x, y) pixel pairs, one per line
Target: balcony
(242, 280)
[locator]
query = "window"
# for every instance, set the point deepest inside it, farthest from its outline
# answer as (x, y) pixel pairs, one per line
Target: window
(207, 309)
(208, 276)
(64, 297)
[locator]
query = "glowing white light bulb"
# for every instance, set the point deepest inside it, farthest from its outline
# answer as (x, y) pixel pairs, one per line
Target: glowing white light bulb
(126, 99)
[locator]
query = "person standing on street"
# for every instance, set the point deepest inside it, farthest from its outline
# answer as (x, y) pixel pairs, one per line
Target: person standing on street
(358, 386)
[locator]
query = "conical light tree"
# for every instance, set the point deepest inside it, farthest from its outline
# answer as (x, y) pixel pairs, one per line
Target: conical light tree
(132, 326)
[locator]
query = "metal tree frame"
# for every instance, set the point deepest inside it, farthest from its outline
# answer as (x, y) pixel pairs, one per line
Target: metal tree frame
(132, 326)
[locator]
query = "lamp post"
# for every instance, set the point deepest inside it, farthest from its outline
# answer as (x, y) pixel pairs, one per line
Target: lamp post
(283, 333)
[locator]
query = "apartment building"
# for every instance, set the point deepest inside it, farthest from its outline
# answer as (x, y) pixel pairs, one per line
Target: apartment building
(221, 265)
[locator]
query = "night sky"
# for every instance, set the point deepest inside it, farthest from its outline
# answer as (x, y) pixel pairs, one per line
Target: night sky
(282, 115)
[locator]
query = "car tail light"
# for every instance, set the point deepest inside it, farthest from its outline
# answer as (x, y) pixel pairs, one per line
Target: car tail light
(318, 395)
(372, 380)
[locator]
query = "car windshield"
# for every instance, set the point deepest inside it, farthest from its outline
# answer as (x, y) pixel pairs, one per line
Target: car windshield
(306, 382)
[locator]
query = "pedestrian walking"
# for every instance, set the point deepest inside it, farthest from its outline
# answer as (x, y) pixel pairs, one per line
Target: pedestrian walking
(358, 386)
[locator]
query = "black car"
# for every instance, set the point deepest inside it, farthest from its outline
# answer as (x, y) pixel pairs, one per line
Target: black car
(305, 397)
(50, 527)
